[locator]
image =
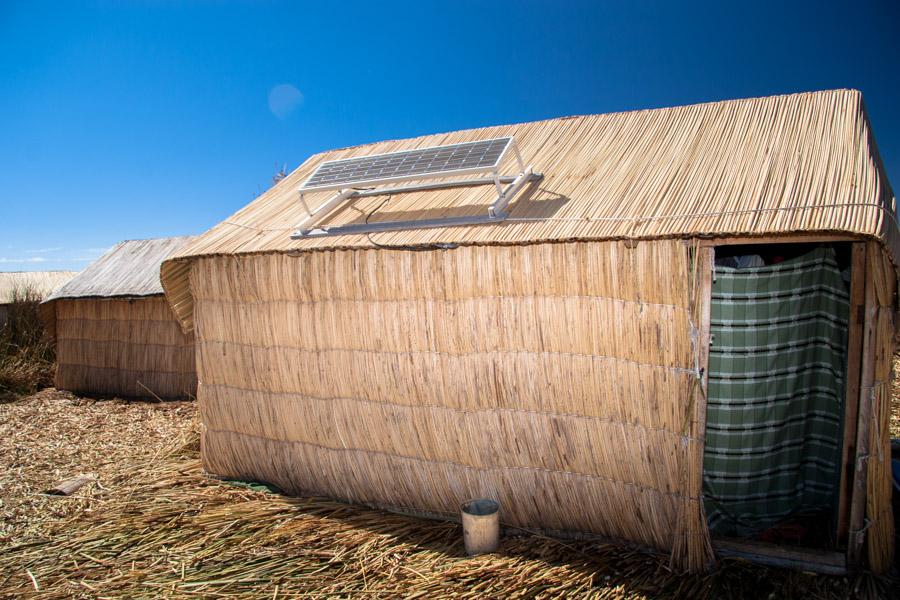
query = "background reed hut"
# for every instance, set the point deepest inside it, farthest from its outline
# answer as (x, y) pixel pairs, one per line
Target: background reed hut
(115, 334)
(607, 360)
(31, 285)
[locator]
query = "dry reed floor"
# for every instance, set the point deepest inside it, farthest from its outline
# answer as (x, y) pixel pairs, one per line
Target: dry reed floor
(52, 436)
(153, 525)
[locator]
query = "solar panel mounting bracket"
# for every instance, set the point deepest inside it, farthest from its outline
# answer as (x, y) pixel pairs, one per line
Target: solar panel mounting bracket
(377, 171)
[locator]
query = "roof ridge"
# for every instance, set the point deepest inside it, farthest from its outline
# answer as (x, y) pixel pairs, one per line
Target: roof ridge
(584, 116)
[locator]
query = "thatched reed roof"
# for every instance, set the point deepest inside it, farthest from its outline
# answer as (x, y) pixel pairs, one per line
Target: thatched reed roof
(129, 269)
(41, 283)
(762, 166)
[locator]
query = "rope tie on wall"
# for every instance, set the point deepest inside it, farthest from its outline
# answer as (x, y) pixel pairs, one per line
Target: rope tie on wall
(872, 390)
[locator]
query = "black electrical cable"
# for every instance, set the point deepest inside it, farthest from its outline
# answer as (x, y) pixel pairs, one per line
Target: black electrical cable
(414, 248)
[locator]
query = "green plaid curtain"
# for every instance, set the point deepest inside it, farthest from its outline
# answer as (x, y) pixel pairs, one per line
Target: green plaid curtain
(776, 387)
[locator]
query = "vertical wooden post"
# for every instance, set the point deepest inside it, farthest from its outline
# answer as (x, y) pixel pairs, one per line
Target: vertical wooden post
(856, 320)
(867, 377)
(707, 260)
(707, 266)
(691, 547)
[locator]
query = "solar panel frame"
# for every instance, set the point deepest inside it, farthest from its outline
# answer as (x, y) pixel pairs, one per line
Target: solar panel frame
(466, 158)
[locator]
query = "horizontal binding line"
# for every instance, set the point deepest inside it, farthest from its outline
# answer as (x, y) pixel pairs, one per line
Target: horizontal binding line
(132, 319)
(710, 214)
(681, 370)
(179, 346)
(452, 409)
(597, 219)
(141, 371)
(448, 462)
(639, 303)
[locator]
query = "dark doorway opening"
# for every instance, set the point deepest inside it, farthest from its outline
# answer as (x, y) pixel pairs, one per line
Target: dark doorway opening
(779, 319)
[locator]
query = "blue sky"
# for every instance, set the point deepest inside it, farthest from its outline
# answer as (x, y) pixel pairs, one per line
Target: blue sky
(146, 119)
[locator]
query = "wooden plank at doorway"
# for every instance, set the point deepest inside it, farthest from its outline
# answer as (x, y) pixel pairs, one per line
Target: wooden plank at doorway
(856, 535)
(804, 559)
(851, 398)
(707, 268)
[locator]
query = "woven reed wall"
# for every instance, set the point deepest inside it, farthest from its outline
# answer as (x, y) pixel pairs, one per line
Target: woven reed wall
(130, 348)
(880, 538)
(556, 378)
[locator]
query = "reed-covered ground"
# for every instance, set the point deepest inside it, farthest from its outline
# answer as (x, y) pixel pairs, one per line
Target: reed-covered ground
(151, 524)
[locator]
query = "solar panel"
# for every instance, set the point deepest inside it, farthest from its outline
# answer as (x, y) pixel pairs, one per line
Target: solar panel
(456, 159)
(361, 177)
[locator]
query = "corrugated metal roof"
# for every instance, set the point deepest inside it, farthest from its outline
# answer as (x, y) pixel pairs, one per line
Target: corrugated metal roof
(761, 166)
(40, 282)
(130, 268)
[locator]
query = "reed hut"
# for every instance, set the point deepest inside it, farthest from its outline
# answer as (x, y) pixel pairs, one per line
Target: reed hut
(28, 285)
(115, 334)
(680, 336)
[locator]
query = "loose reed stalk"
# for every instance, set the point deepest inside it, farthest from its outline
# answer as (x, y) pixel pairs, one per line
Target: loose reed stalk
(155, 525)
